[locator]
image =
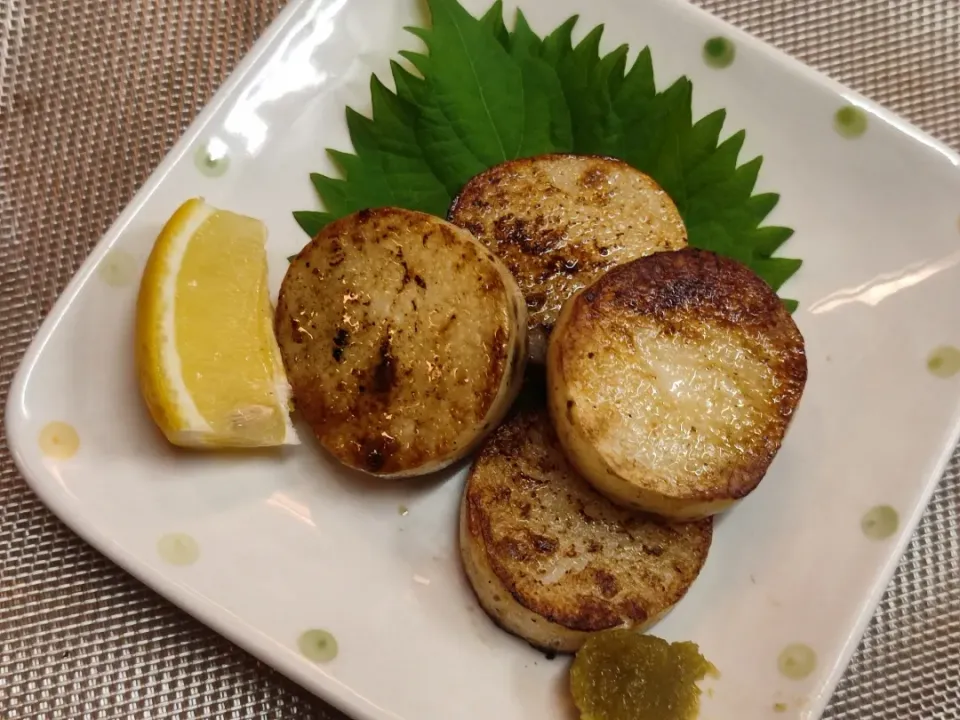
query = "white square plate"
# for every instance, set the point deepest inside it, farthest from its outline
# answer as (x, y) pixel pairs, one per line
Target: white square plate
(288, 542)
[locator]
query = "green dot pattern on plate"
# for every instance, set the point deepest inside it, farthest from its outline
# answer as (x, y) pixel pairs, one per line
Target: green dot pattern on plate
(779, 707)
(944, 361)
(319, 646)
(178, 549)
(118, 269)
(880, 522)
(59, 440)
(850, 122)
(212, 159)
(718, 52)
(797, 661)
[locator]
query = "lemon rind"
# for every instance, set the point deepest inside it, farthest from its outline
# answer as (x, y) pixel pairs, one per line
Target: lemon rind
(193, 422)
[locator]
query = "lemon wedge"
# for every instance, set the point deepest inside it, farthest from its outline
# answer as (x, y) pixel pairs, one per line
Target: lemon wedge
(209, 366)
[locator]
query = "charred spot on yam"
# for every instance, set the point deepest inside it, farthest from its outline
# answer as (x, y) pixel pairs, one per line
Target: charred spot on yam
(552, 560)
(389, 338)
(686, 370)
(560, 221)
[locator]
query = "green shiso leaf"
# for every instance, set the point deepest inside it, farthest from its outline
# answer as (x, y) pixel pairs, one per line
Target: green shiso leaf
(481, 95)
(475, 85)
(311, 221)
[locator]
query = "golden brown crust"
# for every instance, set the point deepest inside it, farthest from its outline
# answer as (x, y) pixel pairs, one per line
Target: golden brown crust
(402, 338)
(707, 368)
(560, 221)
(570, 561)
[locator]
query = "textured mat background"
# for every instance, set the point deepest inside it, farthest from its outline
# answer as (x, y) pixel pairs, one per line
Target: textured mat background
(92, 94)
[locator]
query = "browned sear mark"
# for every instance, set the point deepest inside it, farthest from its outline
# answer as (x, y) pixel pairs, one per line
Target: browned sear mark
(606, 583)
(385, 372)
(543, 544)
(340, 342)
(377, 451)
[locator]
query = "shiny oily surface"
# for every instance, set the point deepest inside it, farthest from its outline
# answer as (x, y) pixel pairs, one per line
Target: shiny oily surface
(694, 400)
(675, 375)
(623, 675)
(561, 221)
(552, 545)
(403, 340)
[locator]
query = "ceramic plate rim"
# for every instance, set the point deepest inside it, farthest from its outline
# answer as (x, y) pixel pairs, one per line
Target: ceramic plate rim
(205, 610)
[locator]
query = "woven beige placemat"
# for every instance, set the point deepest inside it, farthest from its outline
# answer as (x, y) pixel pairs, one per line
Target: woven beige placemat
(92, 94)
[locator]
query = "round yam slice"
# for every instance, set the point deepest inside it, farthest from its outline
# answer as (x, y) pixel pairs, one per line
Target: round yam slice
(672, 381)
(553, 561)
(561, 221)
(403, 338)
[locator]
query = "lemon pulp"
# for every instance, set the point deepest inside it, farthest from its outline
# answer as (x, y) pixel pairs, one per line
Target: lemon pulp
(210, 369)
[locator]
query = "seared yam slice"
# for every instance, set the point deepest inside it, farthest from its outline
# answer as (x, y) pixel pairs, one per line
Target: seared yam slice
(403, 339)
(560, 221)
(550, 559)
(672, 381)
